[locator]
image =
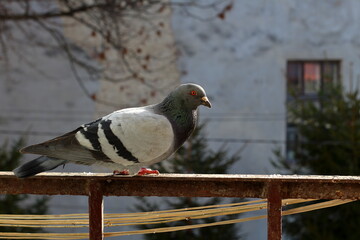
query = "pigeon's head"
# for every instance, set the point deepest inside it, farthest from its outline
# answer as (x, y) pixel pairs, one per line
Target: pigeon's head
(192, 95)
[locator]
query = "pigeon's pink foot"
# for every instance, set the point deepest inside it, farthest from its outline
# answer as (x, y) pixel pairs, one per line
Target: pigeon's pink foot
(123, 172)
(146, 171)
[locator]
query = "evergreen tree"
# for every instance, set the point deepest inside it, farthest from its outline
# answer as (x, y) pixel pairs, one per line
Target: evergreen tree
(21, 203)
(329, 144)
(193, 157)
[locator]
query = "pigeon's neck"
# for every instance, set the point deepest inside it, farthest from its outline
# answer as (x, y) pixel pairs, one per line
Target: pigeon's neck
(183, 119)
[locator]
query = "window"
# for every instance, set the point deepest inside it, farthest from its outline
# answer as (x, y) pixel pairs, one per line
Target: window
(305, 79)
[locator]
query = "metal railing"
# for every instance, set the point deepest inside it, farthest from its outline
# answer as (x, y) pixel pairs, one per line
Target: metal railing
(274, 188)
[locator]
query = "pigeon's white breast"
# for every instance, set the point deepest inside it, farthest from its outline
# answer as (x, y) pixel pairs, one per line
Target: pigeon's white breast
(143, 133)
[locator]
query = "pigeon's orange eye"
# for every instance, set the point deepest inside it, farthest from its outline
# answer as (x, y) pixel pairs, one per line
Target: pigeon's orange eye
(193, 93)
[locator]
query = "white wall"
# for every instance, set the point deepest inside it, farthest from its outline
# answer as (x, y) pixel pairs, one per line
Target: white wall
(241, 62)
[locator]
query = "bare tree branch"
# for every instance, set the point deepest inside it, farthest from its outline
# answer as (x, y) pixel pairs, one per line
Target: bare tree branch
(114, 33)
(70, 12)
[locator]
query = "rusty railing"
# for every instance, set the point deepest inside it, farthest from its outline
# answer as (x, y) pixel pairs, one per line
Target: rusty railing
(274, 188)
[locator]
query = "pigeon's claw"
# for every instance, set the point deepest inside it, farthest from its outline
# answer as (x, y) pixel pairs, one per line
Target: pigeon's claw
(146, 171)
(123, 172)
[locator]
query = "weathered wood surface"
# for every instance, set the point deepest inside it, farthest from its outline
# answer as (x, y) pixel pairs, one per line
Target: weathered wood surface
(187, 185)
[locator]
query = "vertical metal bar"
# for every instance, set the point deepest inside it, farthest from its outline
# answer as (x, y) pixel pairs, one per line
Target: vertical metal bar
(96, 209)
(274, 211)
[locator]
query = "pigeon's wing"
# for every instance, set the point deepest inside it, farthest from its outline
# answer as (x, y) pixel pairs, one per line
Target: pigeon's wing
(67, 147)
(127, 137)
(132, 136)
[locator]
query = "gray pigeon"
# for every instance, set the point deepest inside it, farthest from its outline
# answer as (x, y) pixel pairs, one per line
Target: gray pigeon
(125, 140)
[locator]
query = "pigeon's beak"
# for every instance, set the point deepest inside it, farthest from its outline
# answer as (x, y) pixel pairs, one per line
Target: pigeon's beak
(205, 101)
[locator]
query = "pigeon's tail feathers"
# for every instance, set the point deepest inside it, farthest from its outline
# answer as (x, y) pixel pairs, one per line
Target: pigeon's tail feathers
(51, 145)
(38, 165)
(67, 147)
(28, 149)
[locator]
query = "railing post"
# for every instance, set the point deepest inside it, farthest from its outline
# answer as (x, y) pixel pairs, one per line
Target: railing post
(274, 211)
(96, 209)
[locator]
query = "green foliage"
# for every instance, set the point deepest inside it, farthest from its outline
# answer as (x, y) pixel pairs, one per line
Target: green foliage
(329, 132)
(18, 204)
(193, 157)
